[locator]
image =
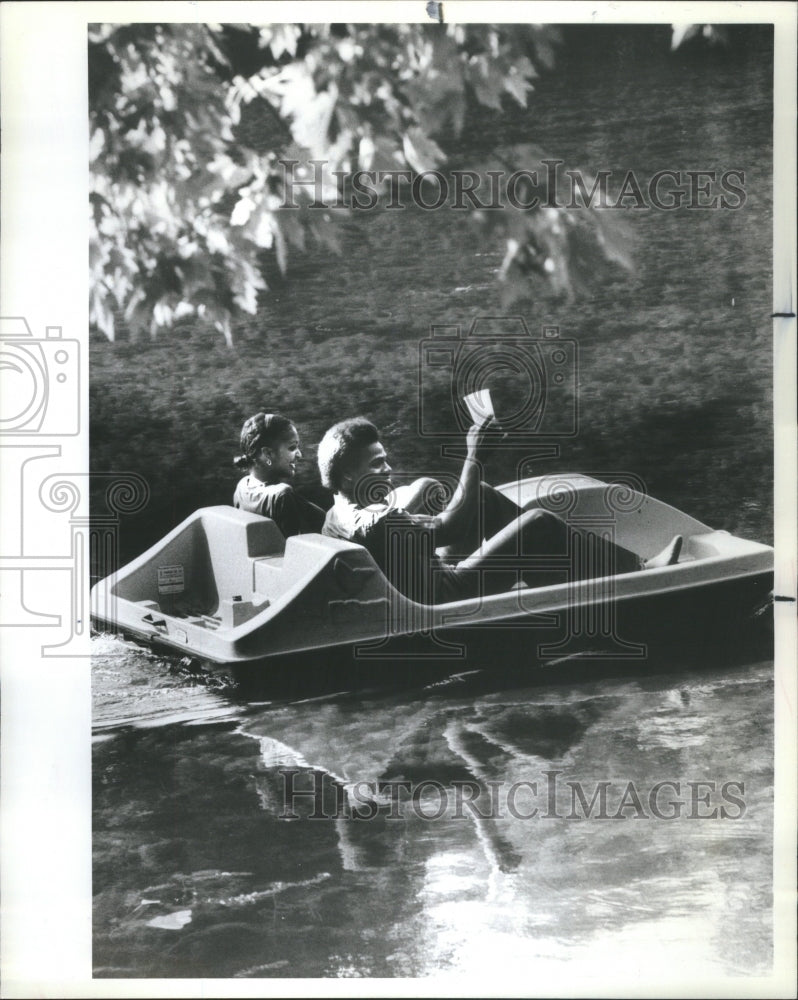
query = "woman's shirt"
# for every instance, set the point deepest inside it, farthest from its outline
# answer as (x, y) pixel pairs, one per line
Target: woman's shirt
(292, 513)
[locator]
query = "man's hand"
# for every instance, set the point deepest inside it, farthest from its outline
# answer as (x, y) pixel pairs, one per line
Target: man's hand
(478, 434)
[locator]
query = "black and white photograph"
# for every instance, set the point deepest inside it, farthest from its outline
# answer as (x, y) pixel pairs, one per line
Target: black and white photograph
(398, 451)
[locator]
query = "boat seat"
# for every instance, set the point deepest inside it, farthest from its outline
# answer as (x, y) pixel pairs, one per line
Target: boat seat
(267, 574)
(304, 557)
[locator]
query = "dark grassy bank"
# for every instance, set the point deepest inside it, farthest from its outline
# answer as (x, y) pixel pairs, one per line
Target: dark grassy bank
(674, 361)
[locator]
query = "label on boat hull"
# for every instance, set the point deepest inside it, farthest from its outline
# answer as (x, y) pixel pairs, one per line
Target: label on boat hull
(171, 579)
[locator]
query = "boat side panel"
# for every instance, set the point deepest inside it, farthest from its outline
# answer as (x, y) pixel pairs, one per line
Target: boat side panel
(702, 623)
(325, 592)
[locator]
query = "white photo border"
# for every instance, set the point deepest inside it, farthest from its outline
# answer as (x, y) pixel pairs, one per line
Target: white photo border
(46, 790)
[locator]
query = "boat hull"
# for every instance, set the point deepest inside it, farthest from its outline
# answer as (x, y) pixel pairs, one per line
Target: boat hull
(700, 628)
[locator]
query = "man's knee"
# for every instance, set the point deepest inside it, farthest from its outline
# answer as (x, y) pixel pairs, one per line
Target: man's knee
(433, 495)
(543, 519)
(424, 495)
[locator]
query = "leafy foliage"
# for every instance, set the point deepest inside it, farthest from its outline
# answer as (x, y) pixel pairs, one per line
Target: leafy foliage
(182, 210)
(161, 136)
(675, 366)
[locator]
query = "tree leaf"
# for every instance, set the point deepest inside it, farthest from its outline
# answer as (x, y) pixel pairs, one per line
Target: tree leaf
(421, 152)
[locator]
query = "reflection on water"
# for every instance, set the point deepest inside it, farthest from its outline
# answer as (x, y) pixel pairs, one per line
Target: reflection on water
(196, 874)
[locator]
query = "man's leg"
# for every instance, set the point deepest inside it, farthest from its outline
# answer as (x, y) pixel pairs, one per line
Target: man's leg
(493, 512)
(581, 554)
(499, 510)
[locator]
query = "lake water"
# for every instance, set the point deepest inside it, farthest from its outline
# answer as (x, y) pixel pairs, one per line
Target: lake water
(195, 871)
(197, 874)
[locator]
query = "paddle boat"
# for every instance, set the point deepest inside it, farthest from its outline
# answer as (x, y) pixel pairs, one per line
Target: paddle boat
(225, 587)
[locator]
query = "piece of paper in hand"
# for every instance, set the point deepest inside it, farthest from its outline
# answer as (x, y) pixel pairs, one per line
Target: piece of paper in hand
(480, 405)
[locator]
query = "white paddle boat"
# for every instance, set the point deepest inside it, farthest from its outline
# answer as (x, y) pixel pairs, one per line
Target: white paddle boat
(225, 587)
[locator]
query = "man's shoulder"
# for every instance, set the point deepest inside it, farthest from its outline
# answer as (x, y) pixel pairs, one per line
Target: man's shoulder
(346, 519)
(341, 519)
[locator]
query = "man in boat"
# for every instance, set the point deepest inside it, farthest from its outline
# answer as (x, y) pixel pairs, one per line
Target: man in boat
(403, 538)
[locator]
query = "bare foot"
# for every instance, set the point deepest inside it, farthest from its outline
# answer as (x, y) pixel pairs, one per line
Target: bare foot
(668, 556)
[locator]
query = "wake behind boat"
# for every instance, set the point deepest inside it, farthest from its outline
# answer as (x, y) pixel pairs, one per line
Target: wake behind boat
(226, 587)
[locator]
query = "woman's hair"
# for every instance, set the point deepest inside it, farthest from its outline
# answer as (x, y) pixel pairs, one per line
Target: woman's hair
(264, 430)
(338, 445)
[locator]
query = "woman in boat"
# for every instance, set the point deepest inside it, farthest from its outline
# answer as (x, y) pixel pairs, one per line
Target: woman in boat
(270, 452)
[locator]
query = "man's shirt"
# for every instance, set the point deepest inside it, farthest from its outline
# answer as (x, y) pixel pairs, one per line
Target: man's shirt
(401, 544)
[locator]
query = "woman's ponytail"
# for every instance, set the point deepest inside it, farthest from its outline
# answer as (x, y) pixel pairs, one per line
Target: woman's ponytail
(263, 430)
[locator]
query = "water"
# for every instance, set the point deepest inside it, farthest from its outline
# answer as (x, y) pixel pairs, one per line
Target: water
(196, 874)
